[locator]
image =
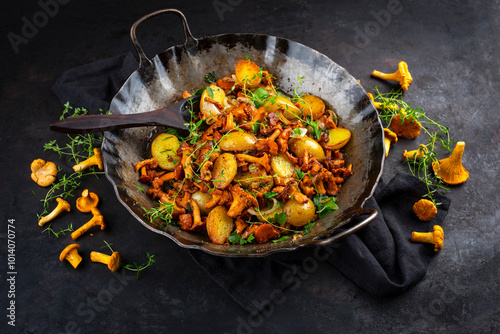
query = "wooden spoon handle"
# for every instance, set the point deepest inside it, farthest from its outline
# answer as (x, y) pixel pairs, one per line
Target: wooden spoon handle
(171, 116)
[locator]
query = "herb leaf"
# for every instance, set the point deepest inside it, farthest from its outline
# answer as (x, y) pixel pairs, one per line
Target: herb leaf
(324, 205)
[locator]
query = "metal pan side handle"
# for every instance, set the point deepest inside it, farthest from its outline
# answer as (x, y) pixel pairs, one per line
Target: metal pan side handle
(371, 215)
(143, 59)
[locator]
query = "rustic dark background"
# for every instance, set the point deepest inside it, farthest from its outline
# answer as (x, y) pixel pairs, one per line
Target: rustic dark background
(452, 49)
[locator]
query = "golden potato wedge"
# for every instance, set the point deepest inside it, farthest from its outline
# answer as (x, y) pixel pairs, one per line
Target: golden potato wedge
(278, 102)
(238, 142)
(224, 170)
(208, 109)
(298, 145)
(338, 138)
(282, 165)
(311, 105)
(201, 199)
(299, 214)
(251, 181)
(164, 150)
(248, 73)
(219, 225)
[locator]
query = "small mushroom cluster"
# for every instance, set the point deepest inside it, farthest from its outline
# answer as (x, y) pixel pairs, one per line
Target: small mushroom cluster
(86, 203)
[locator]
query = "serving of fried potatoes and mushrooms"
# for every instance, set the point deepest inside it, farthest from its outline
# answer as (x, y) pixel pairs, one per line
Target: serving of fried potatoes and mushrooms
(256, 166)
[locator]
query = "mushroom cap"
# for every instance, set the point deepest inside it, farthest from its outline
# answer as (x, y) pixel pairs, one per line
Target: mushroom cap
(388, 134)
(43, 173)
(450, 170)
(406, 78)
(65, 205)
(115, 261)
(407, 127)
(438, 237)
(425, 209)
(88, 201)
(68, 249)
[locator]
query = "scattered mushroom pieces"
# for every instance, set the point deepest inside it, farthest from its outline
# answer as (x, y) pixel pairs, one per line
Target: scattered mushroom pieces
(113, 261)
(97, 220)
(436, 238)
(415, 154)
(88, 201)
(450, 170)
(70, 254)
(389, 138)
(43, 173)
(95, 160)
(402, 75)
(425, 209)
(62, 205)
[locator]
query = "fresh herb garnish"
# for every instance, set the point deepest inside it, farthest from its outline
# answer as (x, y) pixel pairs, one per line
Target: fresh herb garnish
(437, 134)
(210, 77)
(235, 238)
(283, 238)
(61, 232)
(324, 205)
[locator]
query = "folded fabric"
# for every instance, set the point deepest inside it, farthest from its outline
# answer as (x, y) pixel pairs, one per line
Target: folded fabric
(380, 258)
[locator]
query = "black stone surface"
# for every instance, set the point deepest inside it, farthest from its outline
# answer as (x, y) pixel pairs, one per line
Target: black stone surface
(452, 49)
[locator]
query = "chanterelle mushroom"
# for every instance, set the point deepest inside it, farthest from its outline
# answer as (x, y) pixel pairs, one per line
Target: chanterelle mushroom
(407, 127)
(450, 170)
(425, 209)
(113, 261)
(97, 220)
(436, 238)
(62, 205)
(70, 253)
(402, 75)
(43, 173)
(87, 201)
(94, 160)
(389, 138)
(241, 201)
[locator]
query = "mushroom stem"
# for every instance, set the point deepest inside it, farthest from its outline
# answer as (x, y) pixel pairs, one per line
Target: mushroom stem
(98, 219)
(99, 257)
(94, 160)
(62, 205)
(422, 237)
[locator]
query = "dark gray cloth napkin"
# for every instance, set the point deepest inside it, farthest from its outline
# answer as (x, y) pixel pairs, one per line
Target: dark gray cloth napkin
(380, 258)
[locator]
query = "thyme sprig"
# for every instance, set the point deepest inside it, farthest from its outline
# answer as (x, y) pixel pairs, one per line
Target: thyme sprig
(438, 135)
(79, 147)
(61, 232)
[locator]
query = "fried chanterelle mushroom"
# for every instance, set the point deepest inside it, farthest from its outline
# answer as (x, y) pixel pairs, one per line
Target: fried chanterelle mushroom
(43, 173)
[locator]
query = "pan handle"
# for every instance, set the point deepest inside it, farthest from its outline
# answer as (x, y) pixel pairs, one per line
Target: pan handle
(143, 59)
(371, 213)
